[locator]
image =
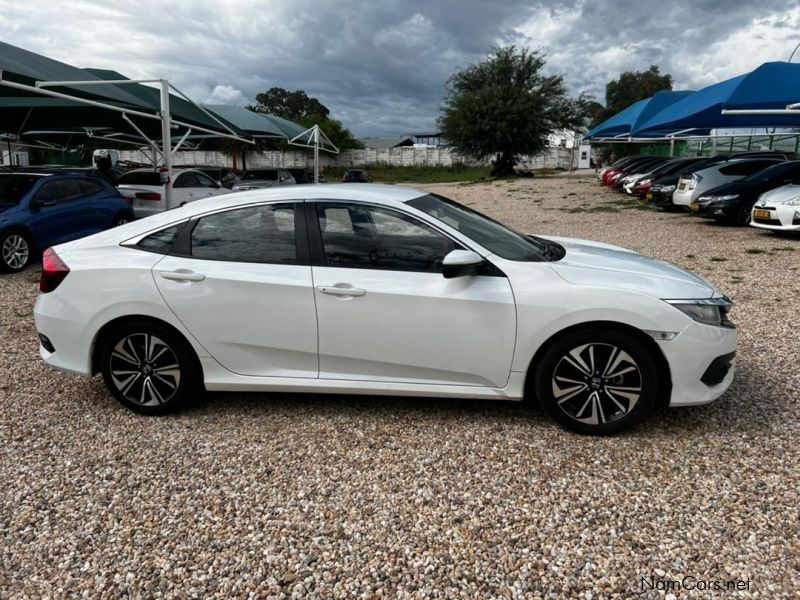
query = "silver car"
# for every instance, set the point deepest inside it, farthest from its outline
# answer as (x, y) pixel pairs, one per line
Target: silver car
(255, 179)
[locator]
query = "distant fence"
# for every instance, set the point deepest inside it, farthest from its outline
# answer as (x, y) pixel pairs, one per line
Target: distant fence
(552, 158)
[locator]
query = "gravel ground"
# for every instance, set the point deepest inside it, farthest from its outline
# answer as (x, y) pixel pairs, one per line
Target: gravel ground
(304, 496)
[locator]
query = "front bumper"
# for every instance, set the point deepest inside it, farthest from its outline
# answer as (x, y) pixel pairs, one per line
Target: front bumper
(781, 218)
(701, 363)
(659, 198)
(714, 210)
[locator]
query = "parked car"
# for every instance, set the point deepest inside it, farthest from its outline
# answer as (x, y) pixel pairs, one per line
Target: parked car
(255, 179)
(778, 210)
(146, 191)
(691, 188)
(612, 175)
(356, 176)
(380, 290)
(225, 176)
(733, 202)
(305, 175)
(640, 169)
(616, 165)
(640, 185)
(38, 210)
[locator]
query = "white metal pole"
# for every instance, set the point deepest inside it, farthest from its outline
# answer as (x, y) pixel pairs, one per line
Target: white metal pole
(316, 153)
(714, 145)
(672, 146)
(166, 142)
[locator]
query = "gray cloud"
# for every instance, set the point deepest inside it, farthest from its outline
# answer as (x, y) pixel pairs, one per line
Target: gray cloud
(382, 66)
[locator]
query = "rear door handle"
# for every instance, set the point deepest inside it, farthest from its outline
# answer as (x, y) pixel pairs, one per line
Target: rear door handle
(341, 289)
(182, 275)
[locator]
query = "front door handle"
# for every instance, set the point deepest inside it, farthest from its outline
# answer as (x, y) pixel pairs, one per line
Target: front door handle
(341, 289)
(182, 275)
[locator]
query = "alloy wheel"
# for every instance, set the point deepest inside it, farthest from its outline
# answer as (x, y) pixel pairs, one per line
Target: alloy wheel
(144, 369)
(597, 383)
(15, 251)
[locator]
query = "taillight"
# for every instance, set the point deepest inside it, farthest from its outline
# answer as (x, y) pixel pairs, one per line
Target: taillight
(54, 270)
(148, 196)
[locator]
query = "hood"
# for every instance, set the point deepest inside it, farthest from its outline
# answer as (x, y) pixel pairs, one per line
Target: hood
(780, 195)
(6, 205)
(666, 180)
(735, 187)
(589, 263)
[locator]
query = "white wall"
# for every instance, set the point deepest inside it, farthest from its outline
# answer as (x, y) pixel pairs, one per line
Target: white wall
(405, 156)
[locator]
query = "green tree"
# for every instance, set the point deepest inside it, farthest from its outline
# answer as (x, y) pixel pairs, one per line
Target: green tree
(306, 110)
(631, 87)
(505, 107)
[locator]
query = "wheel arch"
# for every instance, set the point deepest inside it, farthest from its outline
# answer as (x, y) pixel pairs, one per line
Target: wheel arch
(106, 330)
(664, 381)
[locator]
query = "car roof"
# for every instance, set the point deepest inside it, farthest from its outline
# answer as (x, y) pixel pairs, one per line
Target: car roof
(174, 171)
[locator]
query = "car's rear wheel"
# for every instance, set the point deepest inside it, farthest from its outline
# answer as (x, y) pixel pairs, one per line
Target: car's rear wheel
(597, 381)
(122, 219)
(15, 251)
(150, 369)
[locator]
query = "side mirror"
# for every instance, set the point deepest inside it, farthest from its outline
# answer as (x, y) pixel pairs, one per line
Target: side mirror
(460, 263)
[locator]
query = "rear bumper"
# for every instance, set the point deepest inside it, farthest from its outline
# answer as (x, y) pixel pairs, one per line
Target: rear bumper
(702, 363)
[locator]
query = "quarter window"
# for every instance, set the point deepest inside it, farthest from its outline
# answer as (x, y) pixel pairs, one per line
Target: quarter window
(161, 241)
(89, 187)
(262, 234)
(369, 237)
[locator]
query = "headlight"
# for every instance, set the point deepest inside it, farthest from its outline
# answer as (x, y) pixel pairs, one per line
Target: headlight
(708, 311)
(727, 197)
(668, 188)
(793, 201)
(645, 181)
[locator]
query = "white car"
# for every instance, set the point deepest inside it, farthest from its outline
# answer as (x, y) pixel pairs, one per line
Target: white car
(778, 209)
(256, 179)
(146, 191)
(691, 187)
(371, 289)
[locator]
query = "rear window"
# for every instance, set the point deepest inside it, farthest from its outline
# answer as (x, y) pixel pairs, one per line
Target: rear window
(14, 187)
(90, 187)
(262, 174)
(140, 178)
(745, 167)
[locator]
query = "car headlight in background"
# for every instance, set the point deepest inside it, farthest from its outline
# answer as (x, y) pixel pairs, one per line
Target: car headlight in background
(668, 188)
(726, 198)
(708, 311)
(644, 181)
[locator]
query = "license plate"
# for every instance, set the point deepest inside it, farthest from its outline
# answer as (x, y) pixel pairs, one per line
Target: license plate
(682, 186)
(761, 214)
(649, 196)
(695, 207)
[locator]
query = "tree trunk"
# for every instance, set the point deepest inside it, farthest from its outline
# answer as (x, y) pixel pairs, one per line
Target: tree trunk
(503, 165)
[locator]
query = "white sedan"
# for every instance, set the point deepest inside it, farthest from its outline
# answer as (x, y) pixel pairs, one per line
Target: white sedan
(778, 209)
(369, 289)
(146, 191)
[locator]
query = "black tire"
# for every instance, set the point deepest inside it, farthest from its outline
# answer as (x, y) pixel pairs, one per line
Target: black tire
(743, 215)
(612, 396)
(15, 251)
(122, 219)
(145, 384)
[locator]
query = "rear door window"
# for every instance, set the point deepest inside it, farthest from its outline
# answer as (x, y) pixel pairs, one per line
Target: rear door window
(257, 234)
(60, 190)
(90, 187)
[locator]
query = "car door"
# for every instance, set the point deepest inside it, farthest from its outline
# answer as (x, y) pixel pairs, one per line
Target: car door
(183, 189)
(240, 281)
(99, 212)
(205, 187)
(58, 212)
(386, 313)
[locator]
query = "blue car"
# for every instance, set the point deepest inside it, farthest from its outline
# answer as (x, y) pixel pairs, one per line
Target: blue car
(38, 210)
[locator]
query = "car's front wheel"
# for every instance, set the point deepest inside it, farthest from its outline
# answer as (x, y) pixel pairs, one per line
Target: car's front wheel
(597, 381)
(150, 369)
(15, 251)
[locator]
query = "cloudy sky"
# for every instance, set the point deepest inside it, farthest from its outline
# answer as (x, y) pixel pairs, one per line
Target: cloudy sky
(381, 66)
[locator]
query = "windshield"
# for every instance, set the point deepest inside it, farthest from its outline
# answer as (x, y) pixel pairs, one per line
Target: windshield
(788, 168)
(140, 178)
(498, 239)
(14, 187)
(271, 174)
